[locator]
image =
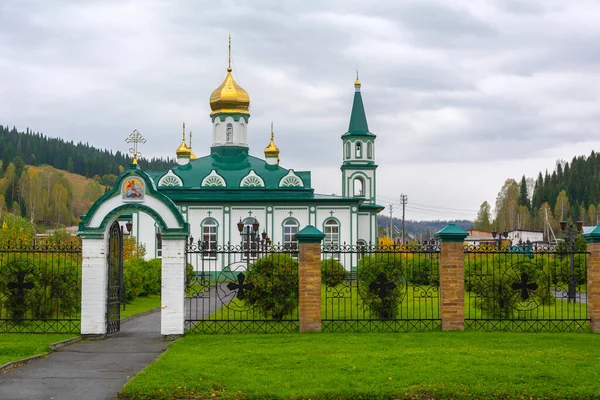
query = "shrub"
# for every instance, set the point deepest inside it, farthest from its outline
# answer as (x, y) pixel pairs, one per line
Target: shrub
(333, 272)
(371, 269)
(275, 280)
(141, 277)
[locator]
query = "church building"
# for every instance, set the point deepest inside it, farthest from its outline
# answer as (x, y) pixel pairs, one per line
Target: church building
(217, 193)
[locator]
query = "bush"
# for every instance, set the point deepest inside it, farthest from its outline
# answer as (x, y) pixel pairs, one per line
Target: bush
(141, 277)
(275, 280)
(371, 269)
(333, 272)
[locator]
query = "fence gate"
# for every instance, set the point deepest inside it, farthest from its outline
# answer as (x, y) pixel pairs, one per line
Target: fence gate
(116, 290)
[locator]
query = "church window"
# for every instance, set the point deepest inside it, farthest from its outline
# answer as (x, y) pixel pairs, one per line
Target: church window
(358, 150)
(290, 228)
(209, 238)
(369, 150)
(331, 228)
(348, 150)
(359, 187)
(291, 181)
(229, 134)
(361, 247)
(170, 180)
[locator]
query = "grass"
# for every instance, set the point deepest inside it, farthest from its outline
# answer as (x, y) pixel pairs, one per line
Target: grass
(15, 346)
(441, 365)
(141, 304)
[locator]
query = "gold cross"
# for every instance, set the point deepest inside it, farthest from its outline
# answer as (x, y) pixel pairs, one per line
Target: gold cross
(135, 137)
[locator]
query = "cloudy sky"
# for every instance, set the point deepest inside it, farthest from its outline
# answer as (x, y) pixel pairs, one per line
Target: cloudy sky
(461, 94)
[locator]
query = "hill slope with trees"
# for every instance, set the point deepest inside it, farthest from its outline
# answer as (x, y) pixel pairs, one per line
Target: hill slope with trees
(571, 192)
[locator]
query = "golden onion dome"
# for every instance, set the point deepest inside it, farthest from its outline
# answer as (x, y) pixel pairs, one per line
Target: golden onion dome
(357, 82)
(183, 150)
(229, 97)
(192, 156)
(272, 150)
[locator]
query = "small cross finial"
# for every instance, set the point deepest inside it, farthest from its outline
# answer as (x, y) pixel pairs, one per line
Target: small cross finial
(135, 137)
(229, 58)
(357, 74)
(183, 132)
(190, 139)
(272, 132)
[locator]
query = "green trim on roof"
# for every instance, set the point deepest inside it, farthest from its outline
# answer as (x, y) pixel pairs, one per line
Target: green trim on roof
(236, 116)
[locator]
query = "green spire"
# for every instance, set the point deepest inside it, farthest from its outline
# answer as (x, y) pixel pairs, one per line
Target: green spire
(358, 119)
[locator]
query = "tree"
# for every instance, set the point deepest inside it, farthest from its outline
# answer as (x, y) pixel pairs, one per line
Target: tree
(523, 195)
(524, 218)
(507, 205)
(482, 222)
(19, 166)
(561, 209)
(592, 215)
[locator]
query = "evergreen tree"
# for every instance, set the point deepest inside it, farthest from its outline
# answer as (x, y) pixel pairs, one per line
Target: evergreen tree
(523, 196)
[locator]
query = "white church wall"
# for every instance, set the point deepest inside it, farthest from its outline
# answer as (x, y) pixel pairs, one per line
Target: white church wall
(364, 227)
(145, 231)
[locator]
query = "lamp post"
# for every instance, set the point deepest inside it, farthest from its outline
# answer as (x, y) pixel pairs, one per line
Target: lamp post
(500, 234)
(251, 237)
(129, 226)
(570, 232)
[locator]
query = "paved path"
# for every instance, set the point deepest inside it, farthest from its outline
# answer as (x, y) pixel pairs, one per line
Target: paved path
(88, 370)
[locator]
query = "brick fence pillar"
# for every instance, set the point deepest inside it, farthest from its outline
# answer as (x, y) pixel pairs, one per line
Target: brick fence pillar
(593, 277)
(452, 277)
(309, 240)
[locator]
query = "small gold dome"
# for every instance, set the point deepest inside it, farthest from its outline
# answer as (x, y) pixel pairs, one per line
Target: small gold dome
(183, 150)
(192, 156)
(229, 97)
(357, 82)
(271, 150)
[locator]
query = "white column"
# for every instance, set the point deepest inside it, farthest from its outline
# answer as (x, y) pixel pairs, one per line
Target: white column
(172, 315)
(94, 275)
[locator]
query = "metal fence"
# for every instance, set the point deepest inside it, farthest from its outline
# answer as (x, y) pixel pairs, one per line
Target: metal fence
(251, 287)
(380, 288)
(525, 288)
(40, 288)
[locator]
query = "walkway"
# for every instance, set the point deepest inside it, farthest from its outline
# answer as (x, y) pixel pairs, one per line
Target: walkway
(88, 370)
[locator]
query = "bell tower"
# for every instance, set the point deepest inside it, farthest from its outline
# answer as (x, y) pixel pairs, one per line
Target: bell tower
(358, 147)
(230, 106)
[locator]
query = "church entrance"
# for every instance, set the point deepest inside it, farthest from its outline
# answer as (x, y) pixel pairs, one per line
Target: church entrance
(115, 289)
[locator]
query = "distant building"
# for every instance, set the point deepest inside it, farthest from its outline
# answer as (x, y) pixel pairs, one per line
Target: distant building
(477, 237)
(519, 236)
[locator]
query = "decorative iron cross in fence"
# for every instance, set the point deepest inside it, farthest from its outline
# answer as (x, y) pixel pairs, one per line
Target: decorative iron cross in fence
(384, 286)
(524, 286)
(240, 286)
(20, 285)
(135, 137)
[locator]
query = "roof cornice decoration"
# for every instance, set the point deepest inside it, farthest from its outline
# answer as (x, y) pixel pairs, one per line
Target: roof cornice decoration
(170, 179)
(291, 180)
(252, 180)
(214, 180)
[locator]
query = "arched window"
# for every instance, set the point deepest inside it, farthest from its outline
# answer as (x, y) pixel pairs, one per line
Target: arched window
(358, 150)
(369, 150)
(209, 237)
(361, 247)
(331, 228)
(348, 150)
(158, 242)
(229, 134)
(359, 187)
(290, 228)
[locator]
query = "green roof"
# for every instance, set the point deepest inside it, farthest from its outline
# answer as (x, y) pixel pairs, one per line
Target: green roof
(358, 119)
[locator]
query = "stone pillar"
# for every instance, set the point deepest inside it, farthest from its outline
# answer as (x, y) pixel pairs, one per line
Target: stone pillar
(452, 277)
(309, 240)
(172, 297)
(593, 278)
(94, 276)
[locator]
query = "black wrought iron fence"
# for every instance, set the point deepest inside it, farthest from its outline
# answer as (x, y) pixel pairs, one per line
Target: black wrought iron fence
(525, 288)
(40, 288)
(248, 288)
(380, 288)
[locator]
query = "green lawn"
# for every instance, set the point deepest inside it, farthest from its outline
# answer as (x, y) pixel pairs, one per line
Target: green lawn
(141, 304)
(15, 346)
(428, 365)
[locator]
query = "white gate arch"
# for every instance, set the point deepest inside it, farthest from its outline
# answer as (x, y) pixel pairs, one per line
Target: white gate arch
(133, 190)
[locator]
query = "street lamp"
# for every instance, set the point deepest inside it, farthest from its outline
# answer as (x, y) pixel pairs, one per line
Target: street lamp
(251, 237)
(500, 234)
(570, 232)
(129, 226)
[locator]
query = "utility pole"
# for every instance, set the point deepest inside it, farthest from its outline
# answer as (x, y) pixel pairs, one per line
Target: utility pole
(403, 201)
(391, 224)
